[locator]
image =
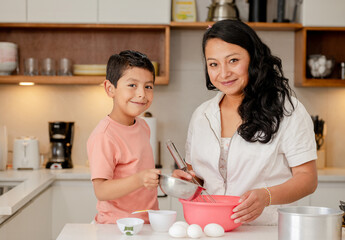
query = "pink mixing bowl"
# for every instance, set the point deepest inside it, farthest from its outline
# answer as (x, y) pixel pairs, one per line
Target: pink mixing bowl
(203, 213)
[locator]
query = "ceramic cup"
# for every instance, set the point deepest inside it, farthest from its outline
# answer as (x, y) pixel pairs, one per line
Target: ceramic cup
(162, 220)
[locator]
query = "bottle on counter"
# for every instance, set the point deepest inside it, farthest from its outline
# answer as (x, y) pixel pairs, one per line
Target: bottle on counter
(342, 73)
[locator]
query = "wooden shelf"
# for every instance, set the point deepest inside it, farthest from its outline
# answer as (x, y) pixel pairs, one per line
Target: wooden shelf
(186, 25)
(81, 26)
(326, 82)
(93, 44)
(319, 40)
(260, 26)
(85, 44)
(64, 80)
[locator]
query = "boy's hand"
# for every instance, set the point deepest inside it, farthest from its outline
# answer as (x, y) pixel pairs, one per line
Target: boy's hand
(149, 178)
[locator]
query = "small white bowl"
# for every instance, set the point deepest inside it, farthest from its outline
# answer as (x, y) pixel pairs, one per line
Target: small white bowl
(130, 226)
(161, 220)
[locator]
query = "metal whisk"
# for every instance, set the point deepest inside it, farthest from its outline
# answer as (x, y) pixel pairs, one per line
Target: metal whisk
(182, 165)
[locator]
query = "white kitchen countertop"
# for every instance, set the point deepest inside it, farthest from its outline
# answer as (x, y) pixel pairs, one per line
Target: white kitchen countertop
(331, 175)
(110, 231)
(31, 182)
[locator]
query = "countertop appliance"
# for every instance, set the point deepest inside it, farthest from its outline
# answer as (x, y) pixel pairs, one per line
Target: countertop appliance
(223, 9)
(26, 154)
(61, 139)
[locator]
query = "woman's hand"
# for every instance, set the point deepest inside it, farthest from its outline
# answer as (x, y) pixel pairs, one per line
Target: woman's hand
(252, 203)
(149, 178)
(183, 175)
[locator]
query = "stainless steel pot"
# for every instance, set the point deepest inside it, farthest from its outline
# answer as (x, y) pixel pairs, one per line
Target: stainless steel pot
(223, 9)
(309, 223)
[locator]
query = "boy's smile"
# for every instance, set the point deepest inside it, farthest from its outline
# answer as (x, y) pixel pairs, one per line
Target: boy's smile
(132, 96)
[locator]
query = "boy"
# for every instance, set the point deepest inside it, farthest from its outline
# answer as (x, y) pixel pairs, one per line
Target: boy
(119, 151)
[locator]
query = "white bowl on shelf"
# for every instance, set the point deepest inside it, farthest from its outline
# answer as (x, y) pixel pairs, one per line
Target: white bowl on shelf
(320, 66)
(8, 57)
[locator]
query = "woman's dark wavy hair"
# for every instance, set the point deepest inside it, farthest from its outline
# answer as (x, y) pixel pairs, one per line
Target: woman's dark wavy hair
(262, 108)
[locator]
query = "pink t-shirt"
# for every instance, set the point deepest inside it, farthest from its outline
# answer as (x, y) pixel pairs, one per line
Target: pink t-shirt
(117, 151)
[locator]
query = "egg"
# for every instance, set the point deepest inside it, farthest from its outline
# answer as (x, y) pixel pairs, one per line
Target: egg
(194, 231)
(322, 60)
(213, 230)
(178, 231)
(182, 223)
(322, 69)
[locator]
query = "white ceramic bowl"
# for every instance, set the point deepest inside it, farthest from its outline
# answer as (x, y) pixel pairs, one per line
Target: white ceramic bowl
(130, 226)
(320, 66)
(8, 57)
(161, 220)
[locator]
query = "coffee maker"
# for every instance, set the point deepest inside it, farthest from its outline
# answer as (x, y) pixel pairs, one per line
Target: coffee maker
(61, 139)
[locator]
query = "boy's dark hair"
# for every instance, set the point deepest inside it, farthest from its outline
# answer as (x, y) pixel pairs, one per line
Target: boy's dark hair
(119, 63)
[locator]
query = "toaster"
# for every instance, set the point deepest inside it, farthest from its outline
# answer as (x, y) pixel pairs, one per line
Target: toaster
(26, 154)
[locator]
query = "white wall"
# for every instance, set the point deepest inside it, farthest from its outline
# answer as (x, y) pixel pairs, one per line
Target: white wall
(27, 110)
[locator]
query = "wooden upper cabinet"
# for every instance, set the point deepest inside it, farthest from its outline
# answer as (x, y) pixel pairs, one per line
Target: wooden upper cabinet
(328, 41)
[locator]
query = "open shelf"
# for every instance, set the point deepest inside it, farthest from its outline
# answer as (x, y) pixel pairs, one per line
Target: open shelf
(328, 41)
(85, 44)
(94, 43)
(260, 26)
(326, 82)
(66, 80)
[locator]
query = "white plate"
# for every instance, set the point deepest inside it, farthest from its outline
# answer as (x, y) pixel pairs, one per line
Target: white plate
(89, 72)
(90, 66)
(3, 147)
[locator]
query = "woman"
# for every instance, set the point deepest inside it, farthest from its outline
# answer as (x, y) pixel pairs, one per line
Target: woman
(253, 139)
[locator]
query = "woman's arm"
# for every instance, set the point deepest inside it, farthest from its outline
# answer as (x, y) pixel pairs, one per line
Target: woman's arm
(302, 183)
(115, 188)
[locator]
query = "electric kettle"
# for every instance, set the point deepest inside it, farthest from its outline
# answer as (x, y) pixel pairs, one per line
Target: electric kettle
(222, 9)
(26, 154)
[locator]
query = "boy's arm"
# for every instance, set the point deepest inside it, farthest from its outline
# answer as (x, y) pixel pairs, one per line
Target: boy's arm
(116, 188)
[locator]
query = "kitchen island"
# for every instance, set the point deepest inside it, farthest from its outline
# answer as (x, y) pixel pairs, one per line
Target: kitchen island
(30, 183)
(110, 231)
(54, 197)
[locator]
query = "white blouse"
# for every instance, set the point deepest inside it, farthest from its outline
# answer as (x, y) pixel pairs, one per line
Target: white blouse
(223, 160)
(248, 165)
